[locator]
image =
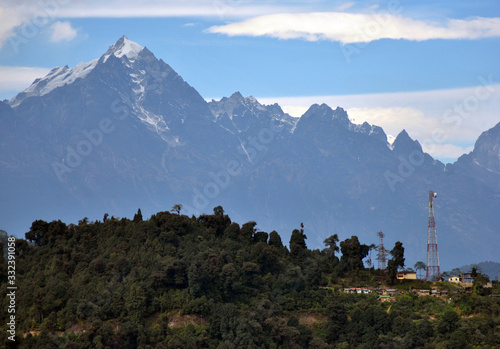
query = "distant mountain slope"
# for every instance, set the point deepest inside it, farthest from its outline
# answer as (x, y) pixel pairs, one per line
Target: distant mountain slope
(483, 163)
(126, 131)
(492, 269)
(247, 116)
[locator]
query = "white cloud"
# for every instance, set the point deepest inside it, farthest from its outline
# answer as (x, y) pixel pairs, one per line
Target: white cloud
(273, 18)
(345, 6)
(22, 20)
(294, 110)
(62, 31)
(9, 19)
(394, 119)
(447, 151)
(223, 9)
(446, 122)
(26, 18)
(358, 27)
(19, 78)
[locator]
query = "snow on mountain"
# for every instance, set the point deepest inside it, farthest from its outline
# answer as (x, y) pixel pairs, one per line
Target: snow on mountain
(61, 76)
(166, 144)
(146, 72)
(57, 77)
(124, 47)
(370, 130)
(240, 114)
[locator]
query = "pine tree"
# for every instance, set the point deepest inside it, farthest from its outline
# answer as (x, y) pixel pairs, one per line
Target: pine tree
(138, 216)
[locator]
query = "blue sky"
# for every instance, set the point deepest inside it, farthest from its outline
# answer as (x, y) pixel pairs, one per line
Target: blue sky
(430, 67)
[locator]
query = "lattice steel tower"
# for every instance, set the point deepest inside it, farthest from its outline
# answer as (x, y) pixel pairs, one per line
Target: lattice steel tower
(382, 263)
(433, 271)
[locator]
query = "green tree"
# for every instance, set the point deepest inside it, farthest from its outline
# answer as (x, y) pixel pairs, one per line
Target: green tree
(247, 232)
(138, 216)
(266, 257)
(232, 231)
(369, 260)
(458, 340)
(136, 301)
(420, 266)
(352, 254)
(337, 321)
(4, 240)
(397, 261)
(448, 322)
(331, 243)
(218, 211)
(224, 321)
(176, 208)
(480, 280)
(425, 329)
(275, 239)
(298, 242)
(260, 236)
(37, 233)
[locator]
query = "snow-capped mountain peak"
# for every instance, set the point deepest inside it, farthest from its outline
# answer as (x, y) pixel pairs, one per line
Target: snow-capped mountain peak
(124, 47)
(61, 76)
(57, 77)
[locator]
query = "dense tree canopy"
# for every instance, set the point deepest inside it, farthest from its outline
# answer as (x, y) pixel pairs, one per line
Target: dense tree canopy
(173, 281)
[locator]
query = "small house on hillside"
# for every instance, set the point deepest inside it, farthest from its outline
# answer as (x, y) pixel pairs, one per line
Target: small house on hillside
(435, 292)
(406, 275)
(357, 290)
(466, 278)
(423, 292)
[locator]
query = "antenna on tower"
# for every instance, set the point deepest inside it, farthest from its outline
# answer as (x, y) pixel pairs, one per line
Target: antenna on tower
(382, 263)
(433, 271)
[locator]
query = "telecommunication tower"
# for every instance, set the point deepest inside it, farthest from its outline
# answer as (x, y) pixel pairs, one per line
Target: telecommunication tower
(382, 263)
(433, 272)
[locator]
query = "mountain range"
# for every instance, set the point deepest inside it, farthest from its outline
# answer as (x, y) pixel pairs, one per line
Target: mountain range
(125, 131)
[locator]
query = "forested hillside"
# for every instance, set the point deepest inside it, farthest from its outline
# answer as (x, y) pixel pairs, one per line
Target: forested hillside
(173, 281)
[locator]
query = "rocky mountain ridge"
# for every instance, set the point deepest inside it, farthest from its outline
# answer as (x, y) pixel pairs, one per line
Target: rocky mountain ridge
(126, 131)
